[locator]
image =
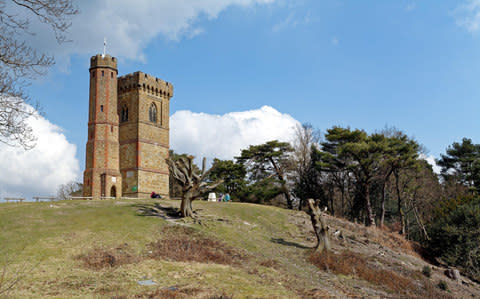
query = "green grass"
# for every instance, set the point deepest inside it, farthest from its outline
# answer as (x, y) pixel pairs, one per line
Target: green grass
(43, 241)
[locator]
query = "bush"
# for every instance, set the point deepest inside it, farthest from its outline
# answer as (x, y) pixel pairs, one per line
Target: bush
(442, 285)
(427, 271)
(455, 238)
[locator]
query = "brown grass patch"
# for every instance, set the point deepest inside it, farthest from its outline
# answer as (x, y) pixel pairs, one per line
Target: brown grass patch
(99, 258)
(174, 293)
(183, 244)
(316, 293)
(270, 264)
(391, 240)
(356, 265)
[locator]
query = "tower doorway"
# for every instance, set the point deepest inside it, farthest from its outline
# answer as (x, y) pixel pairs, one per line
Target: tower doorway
(113, 192)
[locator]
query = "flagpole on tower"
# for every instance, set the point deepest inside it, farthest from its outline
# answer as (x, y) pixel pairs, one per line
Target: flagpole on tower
(104, 46)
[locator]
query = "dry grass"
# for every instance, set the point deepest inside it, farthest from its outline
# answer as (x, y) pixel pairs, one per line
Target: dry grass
(100, 258)
(355, 265)
(270, 264)
(316, 294)
(175, 293)
(183, 244)
(392, 240)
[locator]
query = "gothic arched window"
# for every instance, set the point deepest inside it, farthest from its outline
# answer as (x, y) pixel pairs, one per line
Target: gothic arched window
(152, 113)
(124, 114)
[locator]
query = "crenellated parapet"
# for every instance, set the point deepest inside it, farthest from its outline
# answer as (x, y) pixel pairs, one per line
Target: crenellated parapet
(103, 61)
(145, 83)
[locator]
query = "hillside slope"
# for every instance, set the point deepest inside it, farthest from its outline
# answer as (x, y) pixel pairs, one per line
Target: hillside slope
(139, 249)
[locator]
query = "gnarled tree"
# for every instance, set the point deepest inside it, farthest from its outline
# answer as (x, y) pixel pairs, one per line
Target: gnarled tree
(319, 226)
(194, 184)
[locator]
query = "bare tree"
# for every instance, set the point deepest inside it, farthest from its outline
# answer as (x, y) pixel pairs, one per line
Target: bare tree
(304, 175)
(194, 183)
(319, 226)
(69, 189)
(20, 62)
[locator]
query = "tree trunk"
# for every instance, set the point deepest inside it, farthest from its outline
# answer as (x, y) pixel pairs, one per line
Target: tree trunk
(399, 204)
(332, 199)
(420, 223)
(343, 201)
(186, 205)
(368, 207)
(382, 212)
(319, 226)
(287, 195)
(402, 219)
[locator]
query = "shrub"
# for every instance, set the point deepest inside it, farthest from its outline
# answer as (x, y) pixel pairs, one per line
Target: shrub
(427, 271)
(442, 285)
(455, 238)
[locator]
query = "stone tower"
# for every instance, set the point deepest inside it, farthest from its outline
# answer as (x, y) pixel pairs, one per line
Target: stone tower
(143, 107)
(102, 176)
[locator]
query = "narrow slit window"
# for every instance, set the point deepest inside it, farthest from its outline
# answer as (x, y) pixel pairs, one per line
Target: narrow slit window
(103, 73)
(152, 113)
(161, 113)
(101, 108)
(124, 114)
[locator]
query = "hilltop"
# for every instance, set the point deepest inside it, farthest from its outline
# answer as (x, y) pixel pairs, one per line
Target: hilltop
(111, 249)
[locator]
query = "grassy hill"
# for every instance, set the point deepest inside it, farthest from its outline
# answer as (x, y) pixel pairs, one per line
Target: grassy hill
(108, 249)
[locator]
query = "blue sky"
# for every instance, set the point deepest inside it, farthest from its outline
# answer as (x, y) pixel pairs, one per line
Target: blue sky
(414, 65)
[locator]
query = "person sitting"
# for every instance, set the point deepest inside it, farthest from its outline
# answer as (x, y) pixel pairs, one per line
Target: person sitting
(155, 195)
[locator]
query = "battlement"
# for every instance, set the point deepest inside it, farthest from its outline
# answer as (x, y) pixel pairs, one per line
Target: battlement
(106, 61)
(146, 83)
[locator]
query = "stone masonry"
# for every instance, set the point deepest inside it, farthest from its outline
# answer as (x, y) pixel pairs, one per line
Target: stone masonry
(128, 133)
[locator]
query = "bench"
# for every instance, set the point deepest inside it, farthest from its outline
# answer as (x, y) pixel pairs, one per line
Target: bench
(38, 198)
(16, 199)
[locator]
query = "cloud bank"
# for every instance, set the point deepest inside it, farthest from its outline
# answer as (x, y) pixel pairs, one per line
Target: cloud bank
(130, 26)
(224, 136)
(39, 171)
(431, 160)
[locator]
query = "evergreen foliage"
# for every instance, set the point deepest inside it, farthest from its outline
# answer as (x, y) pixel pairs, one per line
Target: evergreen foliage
(462, 163)
(455, 235)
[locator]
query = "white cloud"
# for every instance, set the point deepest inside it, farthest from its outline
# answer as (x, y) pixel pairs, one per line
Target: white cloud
(431, 160)
(289, 21)
(468, 15)
(130, 26)
(292, 21)
(41, 170)
(224, 136)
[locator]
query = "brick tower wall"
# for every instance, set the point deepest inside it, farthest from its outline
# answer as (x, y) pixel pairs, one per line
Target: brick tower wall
(102, 173)
(144, 143)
